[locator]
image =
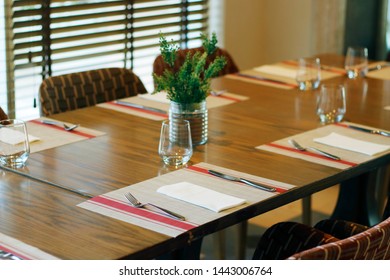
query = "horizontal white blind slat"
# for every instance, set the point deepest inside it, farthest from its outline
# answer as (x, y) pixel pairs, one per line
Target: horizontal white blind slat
(91, 34)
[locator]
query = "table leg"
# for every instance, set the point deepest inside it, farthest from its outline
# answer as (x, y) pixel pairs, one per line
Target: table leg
(306, 210)
(241, 240)
(219, 245)
(190, 252)
(361, 199)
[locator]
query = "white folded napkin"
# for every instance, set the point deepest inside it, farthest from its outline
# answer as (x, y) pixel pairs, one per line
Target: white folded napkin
(14, 137)
(351, 144)
(277, 70)
(160, 96)
(201, 196)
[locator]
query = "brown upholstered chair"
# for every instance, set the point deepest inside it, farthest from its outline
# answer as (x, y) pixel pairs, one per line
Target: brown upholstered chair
(371, 244)
(328, 240)
(3, 115)
(159, 65)
(78, 90)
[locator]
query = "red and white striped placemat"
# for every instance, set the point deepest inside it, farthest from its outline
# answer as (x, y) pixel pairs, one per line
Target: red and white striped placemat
(15, 249)
(157, 103)
(348, 158)
(51, 136)
(257, 76)
(115, 205)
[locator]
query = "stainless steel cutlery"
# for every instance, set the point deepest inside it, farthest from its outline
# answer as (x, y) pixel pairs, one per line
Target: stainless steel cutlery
(378, 67)
(139, 106)
(372, 131)
(261, 78)
(242, 180)
(297, 146)
(65, 126)
(137, 204)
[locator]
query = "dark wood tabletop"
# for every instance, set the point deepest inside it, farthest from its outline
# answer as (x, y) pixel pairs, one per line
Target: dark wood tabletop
(47, 217)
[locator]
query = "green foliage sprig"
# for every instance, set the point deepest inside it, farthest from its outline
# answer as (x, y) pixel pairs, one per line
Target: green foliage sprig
(191, 83)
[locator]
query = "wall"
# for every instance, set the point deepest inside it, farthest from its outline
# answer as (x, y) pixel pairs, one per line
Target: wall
(370, 32)
(258, 32)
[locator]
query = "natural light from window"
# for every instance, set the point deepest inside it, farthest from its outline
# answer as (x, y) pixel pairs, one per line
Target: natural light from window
(28, 77)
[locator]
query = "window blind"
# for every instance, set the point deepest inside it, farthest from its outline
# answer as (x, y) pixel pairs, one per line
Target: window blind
(54, 37)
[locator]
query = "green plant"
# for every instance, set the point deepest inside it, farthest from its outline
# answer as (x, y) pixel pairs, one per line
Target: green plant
(191, 83)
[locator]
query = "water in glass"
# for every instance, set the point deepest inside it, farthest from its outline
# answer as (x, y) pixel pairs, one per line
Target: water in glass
(309, 73)
(14, 143)
(175, 147)
(356, 62)
(331, 104)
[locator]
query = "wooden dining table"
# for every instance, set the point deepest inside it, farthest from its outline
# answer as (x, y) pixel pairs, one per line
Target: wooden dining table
(39, 202)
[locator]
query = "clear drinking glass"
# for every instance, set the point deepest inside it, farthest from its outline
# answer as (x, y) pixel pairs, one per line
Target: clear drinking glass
(356, 62)
(14, 143)
(331, 105)
(175, 147)
(309, 73)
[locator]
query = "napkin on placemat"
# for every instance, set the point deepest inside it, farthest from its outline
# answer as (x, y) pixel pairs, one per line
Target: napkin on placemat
(201, 196)
(351, 144)
(14, 137)
(277, 70)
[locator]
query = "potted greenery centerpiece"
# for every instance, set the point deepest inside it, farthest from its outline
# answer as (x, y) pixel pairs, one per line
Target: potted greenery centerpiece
(188, 87)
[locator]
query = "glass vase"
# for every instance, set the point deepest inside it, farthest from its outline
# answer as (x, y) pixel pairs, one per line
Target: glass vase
(196, 114)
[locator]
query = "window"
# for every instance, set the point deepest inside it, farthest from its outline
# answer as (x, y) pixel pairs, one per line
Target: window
(54, 37)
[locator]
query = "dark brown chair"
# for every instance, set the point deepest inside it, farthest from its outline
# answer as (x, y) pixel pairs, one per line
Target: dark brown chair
(327, 240)
(78, 90)
(159, 65)
(3, 115)
(371, 244)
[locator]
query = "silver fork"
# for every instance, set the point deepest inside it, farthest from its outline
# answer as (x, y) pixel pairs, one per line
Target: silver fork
(137, 204)
(299, 147)
(66, 127)
(218, 92)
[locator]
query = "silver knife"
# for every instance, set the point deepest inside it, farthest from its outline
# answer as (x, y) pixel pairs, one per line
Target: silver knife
(324, 153)
(245, 181)
(372, 131)
(139, 106)
(263, 79)
(378, 67)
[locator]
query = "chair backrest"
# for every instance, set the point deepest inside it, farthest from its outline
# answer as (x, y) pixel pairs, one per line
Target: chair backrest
(77, 90)
(159, 65)
(372, 244)
(3, 115)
